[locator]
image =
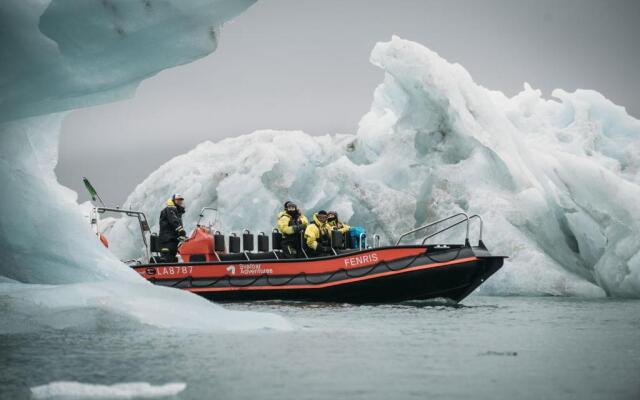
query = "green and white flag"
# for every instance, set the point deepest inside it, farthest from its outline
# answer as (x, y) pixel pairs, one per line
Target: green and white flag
(92, 191)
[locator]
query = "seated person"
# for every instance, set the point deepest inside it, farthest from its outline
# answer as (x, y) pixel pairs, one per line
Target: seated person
(318, 236)
(334, 222)
(291, 224)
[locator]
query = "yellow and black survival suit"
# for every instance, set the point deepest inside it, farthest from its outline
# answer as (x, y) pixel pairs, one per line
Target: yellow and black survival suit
(318, 235)
(291, 224)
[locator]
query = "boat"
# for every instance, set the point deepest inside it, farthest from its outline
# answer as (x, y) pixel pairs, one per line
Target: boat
(212, 265)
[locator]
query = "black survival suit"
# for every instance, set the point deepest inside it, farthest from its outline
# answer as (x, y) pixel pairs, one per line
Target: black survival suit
(170, 230)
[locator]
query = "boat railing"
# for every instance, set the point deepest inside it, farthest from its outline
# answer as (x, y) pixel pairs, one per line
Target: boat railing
(466, 219)
(215, 220)
(302, 245)
(376, 240)
(467, 243)
(481, 226)
(142, 221)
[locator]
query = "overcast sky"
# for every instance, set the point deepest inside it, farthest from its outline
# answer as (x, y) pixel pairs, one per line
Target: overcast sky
(301, 64)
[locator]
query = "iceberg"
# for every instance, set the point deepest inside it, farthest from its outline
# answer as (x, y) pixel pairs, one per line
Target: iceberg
(129, 390)
(556, 180)
(58, 55)
(117, 306)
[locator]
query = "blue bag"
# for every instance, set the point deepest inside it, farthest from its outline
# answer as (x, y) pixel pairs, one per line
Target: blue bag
(354, 237)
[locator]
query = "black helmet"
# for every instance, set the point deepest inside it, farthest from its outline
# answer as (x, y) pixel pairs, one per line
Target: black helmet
(291, 208)
(322, 215)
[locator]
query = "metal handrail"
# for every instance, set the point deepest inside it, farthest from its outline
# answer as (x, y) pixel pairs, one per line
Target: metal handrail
(302, 245)
(456, 224)
(376, 240)
(202, 215)
(142, 221)
(481, 225)
(435, 223)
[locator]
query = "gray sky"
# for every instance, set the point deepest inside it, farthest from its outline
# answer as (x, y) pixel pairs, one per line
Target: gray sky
(301, 64)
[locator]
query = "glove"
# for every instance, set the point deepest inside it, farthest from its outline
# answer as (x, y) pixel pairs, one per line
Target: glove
(182, 238)
(297, 228)
(182, 233)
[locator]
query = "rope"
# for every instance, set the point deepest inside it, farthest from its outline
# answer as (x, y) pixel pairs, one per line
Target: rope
(311, 282)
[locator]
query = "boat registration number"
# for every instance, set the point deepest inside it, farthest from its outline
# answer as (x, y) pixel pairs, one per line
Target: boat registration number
(174, 270)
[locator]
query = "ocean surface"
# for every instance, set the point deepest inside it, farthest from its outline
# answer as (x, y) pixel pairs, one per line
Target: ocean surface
(485, 348)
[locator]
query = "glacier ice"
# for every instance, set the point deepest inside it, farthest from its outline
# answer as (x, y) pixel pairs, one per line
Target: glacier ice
(116, 306)
(58, 55)
(556, 180)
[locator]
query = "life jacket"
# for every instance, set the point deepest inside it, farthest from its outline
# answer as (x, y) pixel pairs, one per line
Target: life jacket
(318, 233)
(285, 221)
(342, 227)
(325, 236)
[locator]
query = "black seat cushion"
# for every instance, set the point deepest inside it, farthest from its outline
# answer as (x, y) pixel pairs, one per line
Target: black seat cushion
(232, 257)
(262, 256)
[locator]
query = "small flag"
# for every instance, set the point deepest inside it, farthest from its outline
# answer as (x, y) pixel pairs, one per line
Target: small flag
(92, 191)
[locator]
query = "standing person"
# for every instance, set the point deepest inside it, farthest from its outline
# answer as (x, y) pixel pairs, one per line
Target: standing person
(318, 235)
(171, 229)
(291, 224)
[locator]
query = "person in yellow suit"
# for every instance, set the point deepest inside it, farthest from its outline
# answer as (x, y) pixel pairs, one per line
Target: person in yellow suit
(318, 235)
(291, 224)
(336, 224)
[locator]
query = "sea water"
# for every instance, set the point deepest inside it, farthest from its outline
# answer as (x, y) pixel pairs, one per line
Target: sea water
(485, 348)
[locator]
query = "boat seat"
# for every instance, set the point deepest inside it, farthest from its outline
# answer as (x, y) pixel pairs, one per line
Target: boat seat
(263, 256)
(346, 251)
(252, 256)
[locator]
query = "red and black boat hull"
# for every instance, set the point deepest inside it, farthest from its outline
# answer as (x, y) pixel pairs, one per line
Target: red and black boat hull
(386, 275)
